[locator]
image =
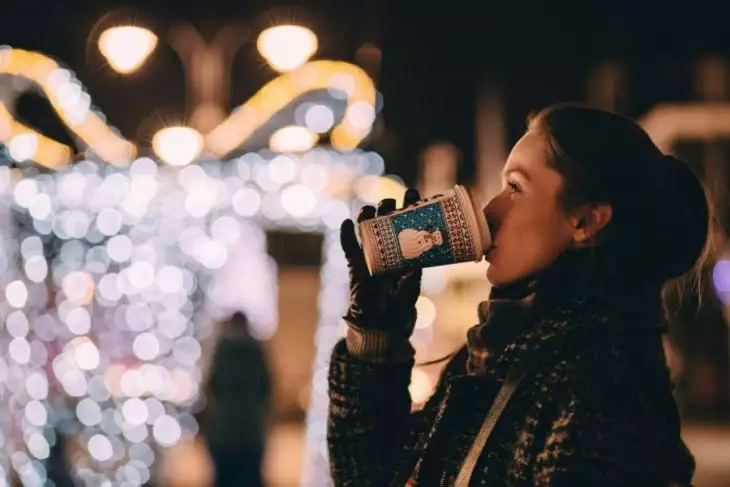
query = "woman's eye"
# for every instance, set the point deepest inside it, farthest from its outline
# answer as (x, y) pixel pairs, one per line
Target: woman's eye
(514, 187)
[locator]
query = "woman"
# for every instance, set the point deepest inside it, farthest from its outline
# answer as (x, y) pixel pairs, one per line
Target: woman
(591, 223)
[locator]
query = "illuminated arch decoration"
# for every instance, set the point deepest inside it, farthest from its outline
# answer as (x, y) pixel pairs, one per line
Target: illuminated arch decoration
(278, 93)
(73, 105)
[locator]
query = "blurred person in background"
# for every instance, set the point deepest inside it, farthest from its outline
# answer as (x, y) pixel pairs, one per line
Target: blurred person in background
(234, 422)
(592, 223)
(58, 464)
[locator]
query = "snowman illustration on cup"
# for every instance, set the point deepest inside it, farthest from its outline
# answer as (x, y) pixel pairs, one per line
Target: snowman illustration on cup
(414, 243)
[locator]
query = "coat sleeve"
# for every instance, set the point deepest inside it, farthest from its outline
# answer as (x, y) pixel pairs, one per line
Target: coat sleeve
(373, 437)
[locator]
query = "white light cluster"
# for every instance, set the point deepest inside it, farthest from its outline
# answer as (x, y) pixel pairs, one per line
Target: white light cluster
(119, 275)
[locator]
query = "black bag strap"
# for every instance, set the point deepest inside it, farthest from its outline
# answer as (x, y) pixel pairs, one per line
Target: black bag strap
(513, 379)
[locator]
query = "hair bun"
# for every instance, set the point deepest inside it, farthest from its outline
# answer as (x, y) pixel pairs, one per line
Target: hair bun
(682, 213)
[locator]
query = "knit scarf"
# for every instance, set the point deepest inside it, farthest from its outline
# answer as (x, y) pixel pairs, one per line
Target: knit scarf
(568, 302)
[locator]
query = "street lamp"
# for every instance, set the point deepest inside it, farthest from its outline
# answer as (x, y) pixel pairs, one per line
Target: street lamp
(286, 47)
(178, 146)
(127, 47)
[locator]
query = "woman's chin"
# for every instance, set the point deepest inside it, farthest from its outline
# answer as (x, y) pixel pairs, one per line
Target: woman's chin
(499, 279)
(493, 276)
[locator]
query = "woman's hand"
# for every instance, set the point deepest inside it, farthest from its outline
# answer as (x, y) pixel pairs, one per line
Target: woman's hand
(385, 302)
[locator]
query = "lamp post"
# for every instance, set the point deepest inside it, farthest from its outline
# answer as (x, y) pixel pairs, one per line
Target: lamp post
(207, 68)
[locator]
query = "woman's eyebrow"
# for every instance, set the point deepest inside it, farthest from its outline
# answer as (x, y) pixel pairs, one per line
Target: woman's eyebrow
(518, 171)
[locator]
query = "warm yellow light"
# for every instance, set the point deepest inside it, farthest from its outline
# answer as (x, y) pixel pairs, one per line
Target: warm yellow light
(73, 106)
(177, 146)
(69, 102)
(421, 386)
(126, 48)
(293, 138)
(279, 93)
(372, 189)
(40, 149)
(426, 312)
(287, 47)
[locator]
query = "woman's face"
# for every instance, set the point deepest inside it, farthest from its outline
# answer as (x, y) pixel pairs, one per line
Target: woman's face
(529, 229)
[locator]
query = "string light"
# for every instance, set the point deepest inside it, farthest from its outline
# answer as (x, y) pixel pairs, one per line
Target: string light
(129, 256)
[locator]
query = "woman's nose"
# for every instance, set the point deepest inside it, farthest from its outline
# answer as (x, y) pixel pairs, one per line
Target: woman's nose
(492, 213)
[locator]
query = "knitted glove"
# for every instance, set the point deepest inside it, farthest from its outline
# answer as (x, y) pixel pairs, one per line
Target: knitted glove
(382, 311)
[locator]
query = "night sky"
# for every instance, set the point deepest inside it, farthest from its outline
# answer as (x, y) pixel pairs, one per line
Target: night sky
(433, 54)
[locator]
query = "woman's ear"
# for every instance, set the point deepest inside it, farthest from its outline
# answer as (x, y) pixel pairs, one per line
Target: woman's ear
(589, 221)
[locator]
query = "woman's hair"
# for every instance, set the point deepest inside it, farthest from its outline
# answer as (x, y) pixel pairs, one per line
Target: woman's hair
(660, 212)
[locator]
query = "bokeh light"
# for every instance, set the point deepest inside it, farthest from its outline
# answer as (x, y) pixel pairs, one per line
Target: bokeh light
(293, 139)
(104, 248)
(178, 146)
(126, 48)
(421, 386)
(121, 275)
(721, 279)
(286, 47)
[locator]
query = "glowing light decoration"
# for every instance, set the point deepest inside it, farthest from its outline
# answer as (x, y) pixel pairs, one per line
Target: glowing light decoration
(47, 152)
(178, 146)
(127, 47)
(287, 47)
(293, 139)
(721, 279)
(318, 118)
(358, 89)
(143, 263)
(73, 105)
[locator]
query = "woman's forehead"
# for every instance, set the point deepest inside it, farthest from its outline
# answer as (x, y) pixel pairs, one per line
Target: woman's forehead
(530, 153)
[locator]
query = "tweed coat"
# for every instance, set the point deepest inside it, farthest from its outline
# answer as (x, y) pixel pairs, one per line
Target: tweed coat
(598, 411)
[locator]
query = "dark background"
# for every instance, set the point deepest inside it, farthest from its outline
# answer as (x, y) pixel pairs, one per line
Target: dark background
(433, 54)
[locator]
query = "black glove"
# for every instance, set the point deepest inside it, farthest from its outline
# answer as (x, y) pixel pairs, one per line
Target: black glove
(385, 302)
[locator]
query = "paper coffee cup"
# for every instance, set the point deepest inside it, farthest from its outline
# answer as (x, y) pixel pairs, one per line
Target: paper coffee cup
(440, 230)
